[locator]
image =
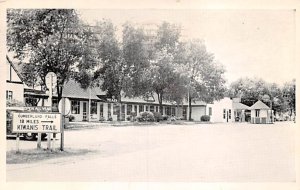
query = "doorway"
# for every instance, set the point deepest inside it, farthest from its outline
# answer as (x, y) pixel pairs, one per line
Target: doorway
(84, 111)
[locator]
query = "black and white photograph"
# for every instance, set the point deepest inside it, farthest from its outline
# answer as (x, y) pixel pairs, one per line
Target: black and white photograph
(151, 95)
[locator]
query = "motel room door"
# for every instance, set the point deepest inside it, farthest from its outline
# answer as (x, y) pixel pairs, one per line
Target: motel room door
(84, 111)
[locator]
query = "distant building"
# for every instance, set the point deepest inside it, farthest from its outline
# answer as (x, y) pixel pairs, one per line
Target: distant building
(228, 110)
(260, 113)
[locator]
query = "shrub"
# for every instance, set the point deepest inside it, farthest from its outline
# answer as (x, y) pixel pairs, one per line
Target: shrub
(205, 118)
(165, 117)
(157, 116)
(71, 118)
(128, 118)
(138, 118)
(133, 113)
(173, 118)
(102, 118)
(147, 116)
(110, 119)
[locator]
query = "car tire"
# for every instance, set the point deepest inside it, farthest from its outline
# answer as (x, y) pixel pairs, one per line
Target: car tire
(30, 136)
(44, 136)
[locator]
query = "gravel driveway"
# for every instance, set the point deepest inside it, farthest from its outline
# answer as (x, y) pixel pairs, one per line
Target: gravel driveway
(203, 152)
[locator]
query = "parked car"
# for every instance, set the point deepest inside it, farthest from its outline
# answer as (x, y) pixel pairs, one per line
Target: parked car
(27, 136)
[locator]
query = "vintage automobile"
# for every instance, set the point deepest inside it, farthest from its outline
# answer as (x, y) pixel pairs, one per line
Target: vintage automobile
(9, 133)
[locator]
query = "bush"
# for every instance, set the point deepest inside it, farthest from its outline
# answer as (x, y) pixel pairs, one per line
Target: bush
(71, 118)
(165, 117)
(146, 116)
(102, 118)
(110, 119)
(172, 118)
(205, 118)
(157, 116)
(128, 118)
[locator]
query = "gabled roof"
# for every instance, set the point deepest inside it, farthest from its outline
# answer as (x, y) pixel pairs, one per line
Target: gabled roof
(72, 89)
(240, 106)
(14, 67)
(259, 105)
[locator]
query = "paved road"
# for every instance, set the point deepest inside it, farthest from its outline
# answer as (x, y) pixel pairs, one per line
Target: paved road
(204, 153)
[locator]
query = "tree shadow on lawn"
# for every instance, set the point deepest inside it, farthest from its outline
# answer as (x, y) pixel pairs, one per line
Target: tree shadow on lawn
(34, 155)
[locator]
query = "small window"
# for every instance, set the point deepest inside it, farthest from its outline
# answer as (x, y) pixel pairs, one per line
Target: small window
(93, 107)
(184, 110)
(168, 110)
(101, 110)
(147, 108)
(257, 113)
(9, 95)
(151, 108)
(108, 110)
(135, 110)
(116, 109)
(141, 108)
(129, 109)
(210, 111)
(156, 108)
(75, 107)
(224, 113)
(173, 111)
(229, 114)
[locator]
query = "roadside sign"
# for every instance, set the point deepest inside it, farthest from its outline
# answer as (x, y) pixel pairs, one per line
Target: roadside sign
(36, 123)
(67, 106)
(38, 109)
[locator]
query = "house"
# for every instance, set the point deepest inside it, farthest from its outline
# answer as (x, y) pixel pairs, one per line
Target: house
(221, 111)
(260, 113)
(93, 102)
(14, 83)
(227, 110)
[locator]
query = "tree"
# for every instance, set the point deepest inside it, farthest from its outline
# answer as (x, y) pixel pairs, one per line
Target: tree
(252, 90)
(136, 54)
(109, 74)
(205, 76)
(249, 90)
(289, 93)
(159, 76)
(52, 40)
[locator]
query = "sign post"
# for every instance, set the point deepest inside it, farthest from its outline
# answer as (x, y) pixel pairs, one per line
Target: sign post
(18, 142)
(64, 107)
(50, 79)
(62, 125)
(39, 141)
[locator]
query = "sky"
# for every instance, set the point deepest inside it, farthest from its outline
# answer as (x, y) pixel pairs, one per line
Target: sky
(249, 43)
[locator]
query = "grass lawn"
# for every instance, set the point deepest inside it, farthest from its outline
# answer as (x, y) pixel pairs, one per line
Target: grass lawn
(33, 155)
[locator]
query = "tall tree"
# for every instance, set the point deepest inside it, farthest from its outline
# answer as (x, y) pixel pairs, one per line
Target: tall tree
(51, 40)
(136, 53)
(205, 76)
(160, 75)
(110, 71)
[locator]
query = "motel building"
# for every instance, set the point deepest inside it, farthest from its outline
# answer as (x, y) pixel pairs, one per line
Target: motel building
(93, 105)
